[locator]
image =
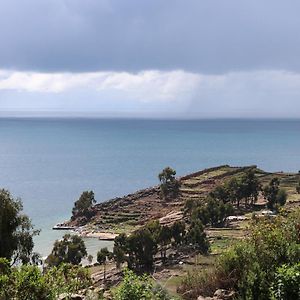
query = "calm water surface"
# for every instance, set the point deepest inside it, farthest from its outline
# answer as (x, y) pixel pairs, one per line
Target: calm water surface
(49, 162)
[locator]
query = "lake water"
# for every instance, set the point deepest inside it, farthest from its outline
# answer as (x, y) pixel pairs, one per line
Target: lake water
(48, 162)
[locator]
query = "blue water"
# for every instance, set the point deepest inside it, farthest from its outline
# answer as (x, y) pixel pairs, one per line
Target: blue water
(49, 162)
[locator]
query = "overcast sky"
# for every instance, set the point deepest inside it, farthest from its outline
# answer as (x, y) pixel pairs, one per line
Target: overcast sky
(151, 58)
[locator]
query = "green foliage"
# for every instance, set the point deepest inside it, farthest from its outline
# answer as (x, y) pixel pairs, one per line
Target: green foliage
(178, 232)
(196, 236)
(71, 249)
(189, 206)
(120, 249)
(28, 283)
(169, 186)
(102, 256)
(141, 249)
(214, 212)
(245, 187)
(136, 287)
(251, 266)
(67, 278)
(83, 205)
(164, 239)
(287, 283)
(16, 230)
(273, 194)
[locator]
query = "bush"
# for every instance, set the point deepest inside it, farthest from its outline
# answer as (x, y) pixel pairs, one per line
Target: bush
(136, 287)
(251, 266)
(28, 283)
(287, 283)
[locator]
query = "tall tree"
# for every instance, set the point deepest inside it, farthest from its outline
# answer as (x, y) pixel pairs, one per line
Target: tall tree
(84, 203)
(120, 249)
(169, 185)
(71, 249)
(250, 187)
(16, 230)
(273, 194)
(141, 249)
(197, 237)
(178, 232)
(164, 239)
(102, 256)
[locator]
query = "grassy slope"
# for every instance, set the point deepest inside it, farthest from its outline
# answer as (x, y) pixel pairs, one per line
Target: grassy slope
(125, 214)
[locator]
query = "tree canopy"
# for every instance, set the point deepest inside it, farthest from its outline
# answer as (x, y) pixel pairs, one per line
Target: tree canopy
(16, 230)
(274, 194)
(83, 204)
(169, 185)
(70, 249)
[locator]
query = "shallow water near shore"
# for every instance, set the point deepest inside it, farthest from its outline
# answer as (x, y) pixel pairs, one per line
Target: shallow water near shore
(48, 162)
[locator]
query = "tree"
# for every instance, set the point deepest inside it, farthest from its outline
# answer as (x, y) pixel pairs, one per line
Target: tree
(235, 190)
(102, 256)
(273, 194)
(178, 232)
(189, 206)
(164, 239)
(281, 197)
(196, 236)
(141, 249)
(83, 205)
(16, 230)
(120, 249)
(214, 212)
(71, 249)
(221, 193)
(250, 187)
(169, 185)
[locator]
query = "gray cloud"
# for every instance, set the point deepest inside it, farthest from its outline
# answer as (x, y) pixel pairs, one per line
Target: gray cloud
(212, 36)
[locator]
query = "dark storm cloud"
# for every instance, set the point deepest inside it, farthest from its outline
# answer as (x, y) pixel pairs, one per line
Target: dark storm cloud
(213, 36)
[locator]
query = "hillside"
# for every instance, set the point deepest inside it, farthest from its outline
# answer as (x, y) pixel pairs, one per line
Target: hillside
(124, 214)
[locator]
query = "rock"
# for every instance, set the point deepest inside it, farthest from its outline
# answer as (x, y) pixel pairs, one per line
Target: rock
(204, 298)
(224, 294)
(99, 290)
(77, 297)
(107, 295)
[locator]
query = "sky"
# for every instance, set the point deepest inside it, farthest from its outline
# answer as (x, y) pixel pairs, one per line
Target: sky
(151, 58)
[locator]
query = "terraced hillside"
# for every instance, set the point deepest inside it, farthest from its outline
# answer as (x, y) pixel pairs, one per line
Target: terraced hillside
(125, 214)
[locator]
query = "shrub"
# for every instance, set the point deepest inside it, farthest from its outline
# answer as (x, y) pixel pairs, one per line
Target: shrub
(251, 266)
(136, 287)
(28, 283)
(287, 283)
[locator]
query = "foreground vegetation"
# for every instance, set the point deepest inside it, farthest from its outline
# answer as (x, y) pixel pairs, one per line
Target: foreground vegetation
(265, 265)
(210, 232)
